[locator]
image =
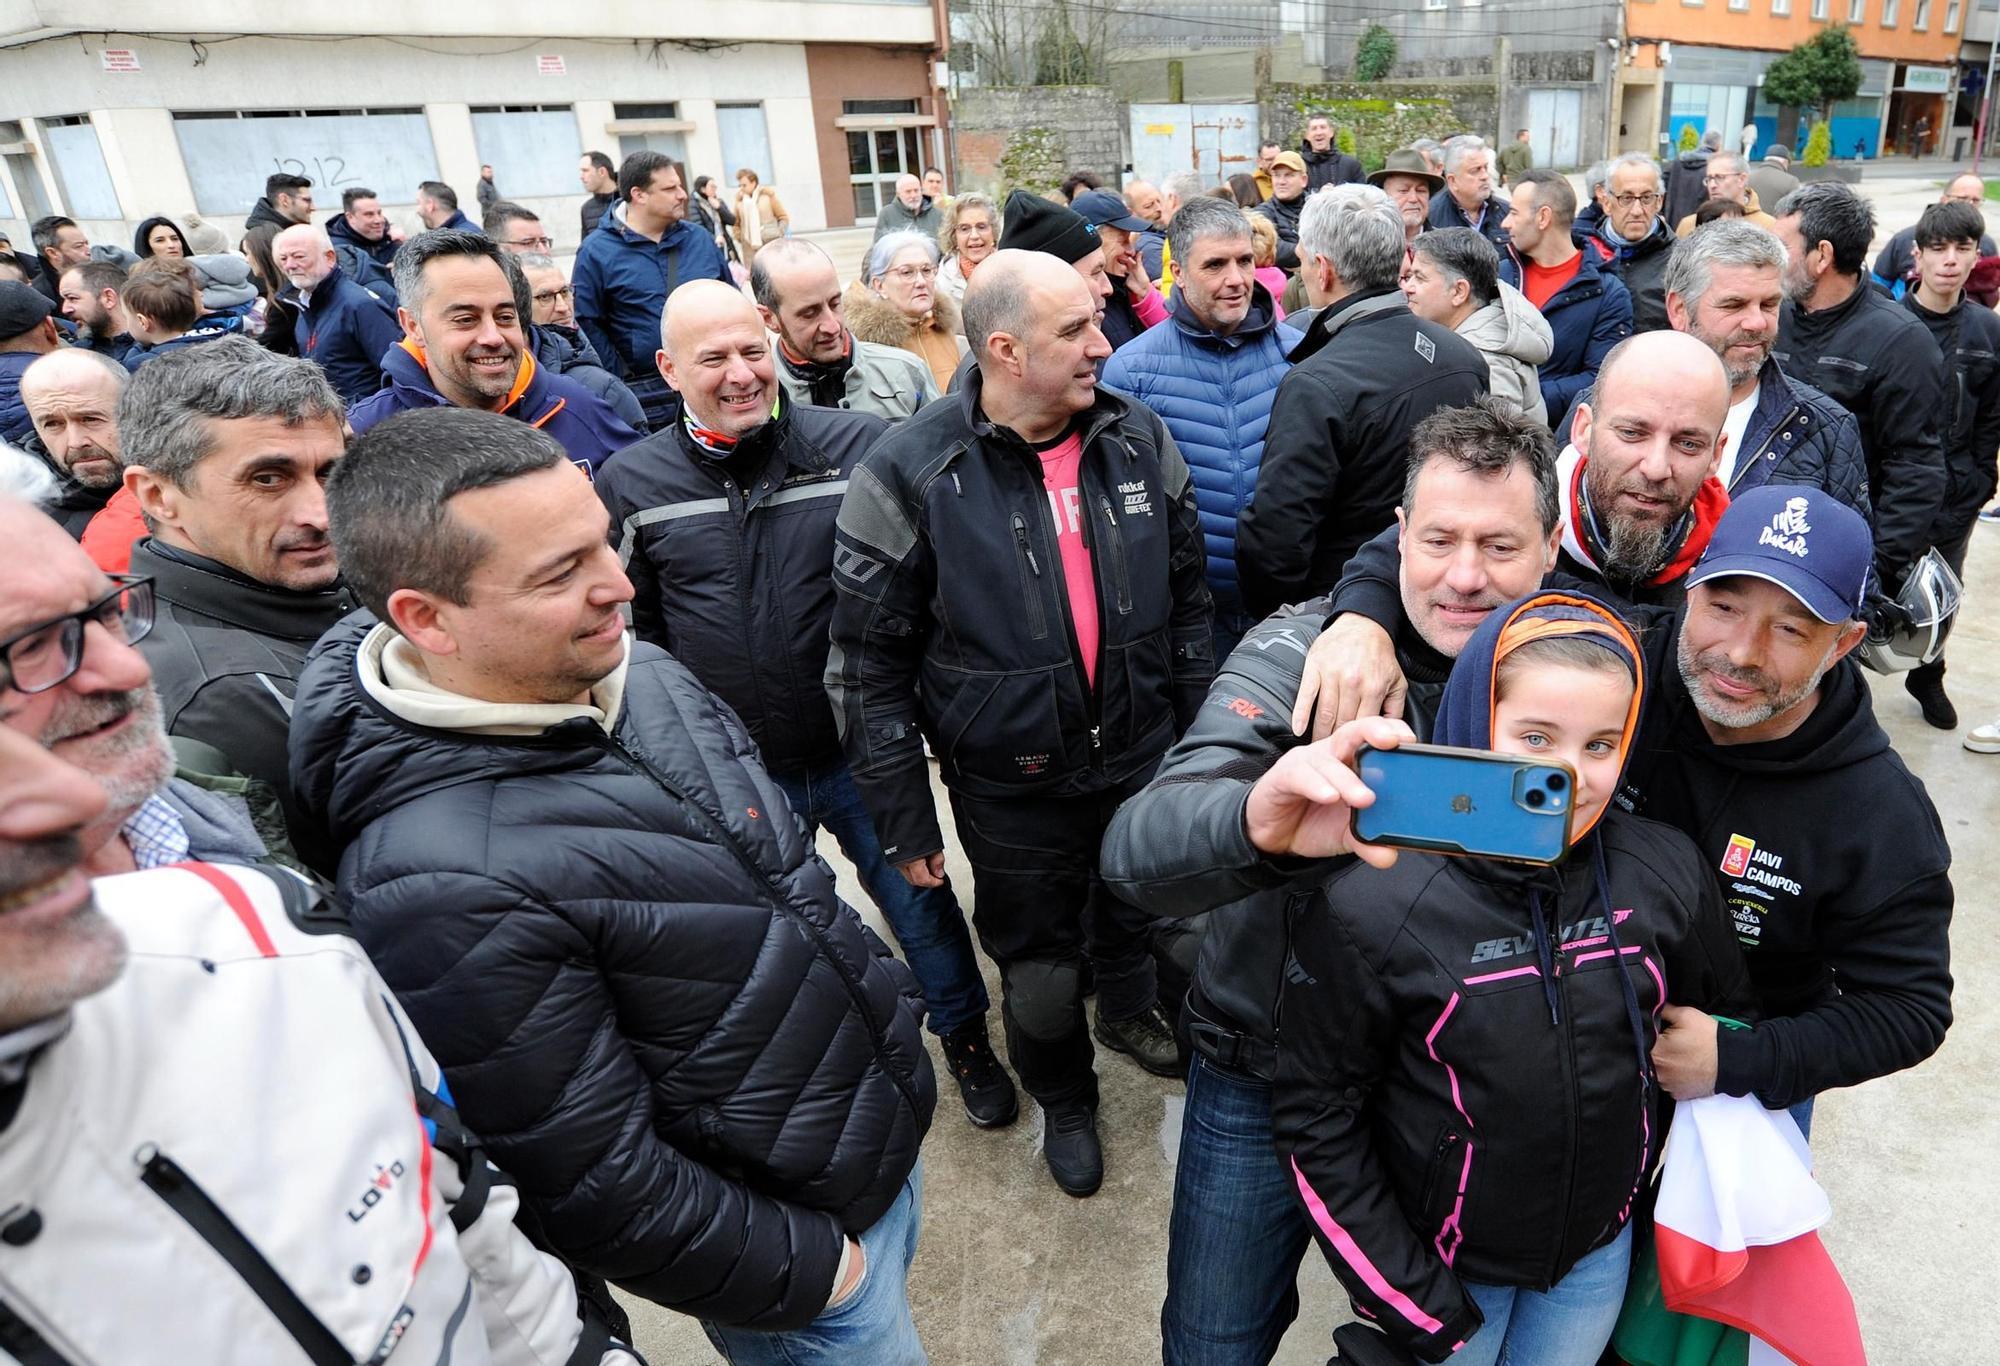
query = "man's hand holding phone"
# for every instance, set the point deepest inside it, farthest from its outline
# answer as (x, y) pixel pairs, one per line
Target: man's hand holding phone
(1304, 806)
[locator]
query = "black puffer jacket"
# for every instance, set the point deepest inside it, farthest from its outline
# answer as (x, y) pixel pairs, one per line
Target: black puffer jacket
(737, 581)
(1642, 267)
(1339, 439)
(953, 615)
(700, 1066)
(1434, 1081)
(1284, 215)
(1872, 358)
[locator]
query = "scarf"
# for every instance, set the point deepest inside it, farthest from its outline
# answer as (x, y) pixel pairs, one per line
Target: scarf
(740, 458)
(749, 219)
(1584, 539)
(825, 381)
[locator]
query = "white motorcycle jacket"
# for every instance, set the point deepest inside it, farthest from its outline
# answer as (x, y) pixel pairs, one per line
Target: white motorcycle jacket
(238, 1153)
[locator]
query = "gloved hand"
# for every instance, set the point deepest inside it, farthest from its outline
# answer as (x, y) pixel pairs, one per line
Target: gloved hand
(1885, 616)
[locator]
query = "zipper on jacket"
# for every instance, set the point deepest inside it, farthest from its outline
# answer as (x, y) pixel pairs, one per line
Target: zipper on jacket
(166, 1179)
(1114, 548)
(1031, 576)
(779, 902)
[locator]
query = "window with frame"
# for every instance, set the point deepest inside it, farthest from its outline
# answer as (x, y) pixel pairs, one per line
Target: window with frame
(1819, 8)
(1921, 20)
(1739, 6)
(1857, 10)
(1781, 8)
(1951, 16)
(1889, 8)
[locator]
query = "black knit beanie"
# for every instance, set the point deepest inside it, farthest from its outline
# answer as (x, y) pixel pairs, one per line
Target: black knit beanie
(1038, 224)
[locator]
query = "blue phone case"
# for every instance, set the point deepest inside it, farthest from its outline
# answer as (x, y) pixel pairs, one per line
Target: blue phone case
(1444, 800)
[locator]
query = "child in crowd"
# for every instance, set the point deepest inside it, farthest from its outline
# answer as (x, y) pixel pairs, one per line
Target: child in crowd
(1465, 1094)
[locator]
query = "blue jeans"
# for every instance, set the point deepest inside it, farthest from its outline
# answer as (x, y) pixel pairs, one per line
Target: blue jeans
(1237, 1234)
(1802, 1115)
(872, 1324)
(1566, 1325)
(926, 920)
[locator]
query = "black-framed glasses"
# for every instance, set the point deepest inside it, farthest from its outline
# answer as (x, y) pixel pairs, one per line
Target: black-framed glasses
(533, 243)
(550, 296)
(46, 655)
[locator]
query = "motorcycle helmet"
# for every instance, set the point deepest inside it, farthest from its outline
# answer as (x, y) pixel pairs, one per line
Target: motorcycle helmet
(1912, 631)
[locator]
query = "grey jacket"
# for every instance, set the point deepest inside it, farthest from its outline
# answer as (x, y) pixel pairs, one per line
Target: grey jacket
(1515, 338)
(894, 217)
(884, 380)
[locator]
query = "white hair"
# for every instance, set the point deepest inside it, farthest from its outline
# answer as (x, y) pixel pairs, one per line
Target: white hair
(1457, 149)
(1358, 230)
(890, 245)
(1183, 185)
(1633, 159)
(25, 478)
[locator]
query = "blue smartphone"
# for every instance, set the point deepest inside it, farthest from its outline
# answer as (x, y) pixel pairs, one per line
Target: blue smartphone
(1441, 799)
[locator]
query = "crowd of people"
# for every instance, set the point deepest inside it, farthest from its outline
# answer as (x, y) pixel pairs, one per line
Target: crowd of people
(426, 670)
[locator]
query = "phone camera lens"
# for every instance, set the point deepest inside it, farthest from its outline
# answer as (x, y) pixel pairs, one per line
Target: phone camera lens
(1557, 782)
(1537, 798)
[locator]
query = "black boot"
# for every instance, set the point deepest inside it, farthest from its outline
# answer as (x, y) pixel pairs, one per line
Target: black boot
(1146, 1038)
(1926, 684)
(1069, 1145)
(983, 1083)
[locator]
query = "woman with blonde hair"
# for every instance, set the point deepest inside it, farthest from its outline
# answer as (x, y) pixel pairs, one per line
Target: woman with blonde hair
(969, 234)
(896, 303)
(1264, 256)
(760, 215)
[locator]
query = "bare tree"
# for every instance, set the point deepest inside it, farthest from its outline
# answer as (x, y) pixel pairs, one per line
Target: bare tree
(1039, 42)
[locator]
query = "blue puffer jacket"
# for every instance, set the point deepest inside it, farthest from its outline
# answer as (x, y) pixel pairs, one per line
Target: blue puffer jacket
(622, 280)
(1589, 315)
(1215, 394)
(587, 428)
(14, 423)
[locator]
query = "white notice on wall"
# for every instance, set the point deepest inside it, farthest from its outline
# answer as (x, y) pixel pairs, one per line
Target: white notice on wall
(550, 64)
(119, 59)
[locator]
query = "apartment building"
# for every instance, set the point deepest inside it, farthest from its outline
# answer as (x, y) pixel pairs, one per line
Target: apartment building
(1701, 64)
(828, 100)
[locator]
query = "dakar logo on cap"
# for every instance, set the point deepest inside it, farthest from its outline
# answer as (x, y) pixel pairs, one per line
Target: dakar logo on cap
(1736, 859)
(1788, 529)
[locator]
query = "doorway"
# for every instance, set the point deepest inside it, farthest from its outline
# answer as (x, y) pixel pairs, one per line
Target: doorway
(1554, 119)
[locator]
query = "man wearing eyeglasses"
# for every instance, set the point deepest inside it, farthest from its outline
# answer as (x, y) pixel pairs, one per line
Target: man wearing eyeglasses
(342, 326)
(1728, 177)
(1636, 239)
(226, 448)
(1896, 264)
(542, 293)
(71, 680)
(516, 229)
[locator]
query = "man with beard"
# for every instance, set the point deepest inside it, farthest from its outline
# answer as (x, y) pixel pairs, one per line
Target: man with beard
(465, 346)
(725, 526)
(362, 225)
(1639, 503)
(72, 399)
(821, 362)
(1587, 308)
(124, 1004)
(92, 297)
(79, 689)
(1725, 288)
(1762, 731)
(1478, 518)
(227, 447)
(1407, 179)
(1868, 354)
(342, 327)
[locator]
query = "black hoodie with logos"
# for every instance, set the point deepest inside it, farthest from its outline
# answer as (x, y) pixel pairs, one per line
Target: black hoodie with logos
(1834, 866)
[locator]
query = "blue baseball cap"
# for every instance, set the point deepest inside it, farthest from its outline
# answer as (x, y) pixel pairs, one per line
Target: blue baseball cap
(1103, 209)
(1803, 539)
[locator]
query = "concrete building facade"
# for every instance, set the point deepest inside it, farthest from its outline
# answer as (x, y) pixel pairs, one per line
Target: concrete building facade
(829, 100)
(1701, 64)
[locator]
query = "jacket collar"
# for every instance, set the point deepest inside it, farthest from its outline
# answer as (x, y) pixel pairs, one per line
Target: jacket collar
(1351, 308)
(1833, 316)
(526, 399)
(1105, 410)
(1261, 318)
(185, 579)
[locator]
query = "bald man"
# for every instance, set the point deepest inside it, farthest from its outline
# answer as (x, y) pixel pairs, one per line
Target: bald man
(725, 524)
(1019, 571)
(342, 327)
(819, 359)
(1640, 499)
(72, 400)
(911, 209)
